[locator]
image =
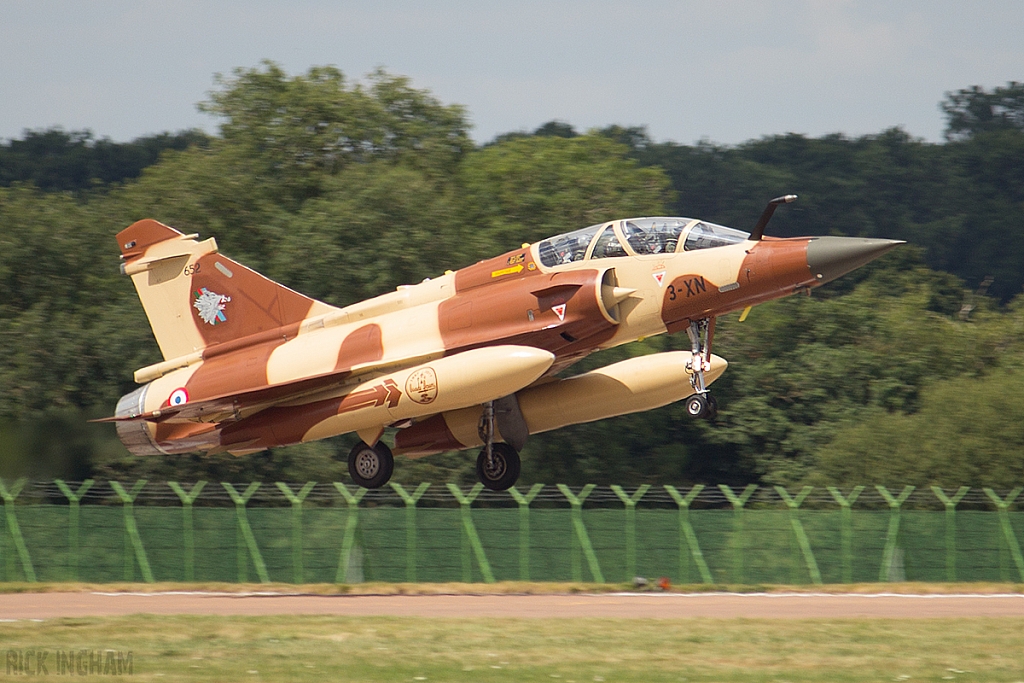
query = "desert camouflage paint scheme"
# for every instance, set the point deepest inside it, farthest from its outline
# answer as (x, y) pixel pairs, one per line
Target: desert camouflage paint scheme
(462, 360)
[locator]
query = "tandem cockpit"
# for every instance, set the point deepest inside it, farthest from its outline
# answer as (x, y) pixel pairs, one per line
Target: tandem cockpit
(636, 237)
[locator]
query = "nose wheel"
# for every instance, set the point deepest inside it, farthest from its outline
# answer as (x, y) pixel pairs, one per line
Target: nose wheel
(702, 404)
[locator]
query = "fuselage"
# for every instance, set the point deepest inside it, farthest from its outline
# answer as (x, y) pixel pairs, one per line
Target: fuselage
(564, 297)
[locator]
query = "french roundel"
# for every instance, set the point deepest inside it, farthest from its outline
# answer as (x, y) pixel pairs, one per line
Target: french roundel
(179, 397)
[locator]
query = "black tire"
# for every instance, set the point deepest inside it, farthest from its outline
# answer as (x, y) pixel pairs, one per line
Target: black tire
(696, 406)
(712, 413)
(504, 470)
(371, 467)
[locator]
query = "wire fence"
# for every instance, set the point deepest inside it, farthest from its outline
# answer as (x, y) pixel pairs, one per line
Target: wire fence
(308, 533)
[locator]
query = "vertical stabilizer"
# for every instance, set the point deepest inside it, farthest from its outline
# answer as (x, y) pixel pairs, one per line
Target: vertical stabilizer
(195, 298)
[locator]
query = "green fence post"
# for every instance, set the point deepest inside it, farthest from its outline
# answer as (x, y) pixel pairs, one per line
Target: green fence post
(296, 501)
(737, 520)
(132, 532)
(73, 521)
(582, 539)
(524, 527)
(885, 569)
(349, 540)
(950, 504)
(8, 496)
(846, 527)
(630, 503)
(798, 529)
(687, 538)
(1004, 521)
(470, 533)
(187, 528)
(246, 531)
(410, 500)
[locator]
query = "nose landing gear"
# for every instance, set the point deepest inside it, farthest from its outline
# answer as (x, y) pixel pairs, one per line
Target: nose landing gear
(702, 404)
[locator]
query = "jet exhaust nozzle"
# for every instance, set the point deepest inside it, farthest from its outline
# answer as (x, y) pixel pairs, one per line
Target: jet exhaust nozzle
(136, 435)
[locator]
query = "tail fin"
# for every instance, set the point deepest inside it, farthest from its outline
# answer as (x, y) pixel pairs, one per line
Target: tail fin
(194, 297)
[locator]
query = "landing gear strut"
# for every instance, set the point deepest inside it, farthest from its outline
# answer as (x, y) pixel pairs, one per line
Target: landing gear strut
(497, 466)
(702, 403)
(371, 466)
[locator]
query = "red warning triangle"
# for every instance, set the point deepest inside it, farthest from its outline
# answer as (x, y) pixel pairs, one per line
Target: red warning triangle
(559, 311)
(659, 277)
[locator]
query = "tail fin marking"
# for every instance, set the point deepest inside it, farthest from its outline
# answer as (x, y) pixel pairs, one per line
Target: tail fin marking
(195, 297)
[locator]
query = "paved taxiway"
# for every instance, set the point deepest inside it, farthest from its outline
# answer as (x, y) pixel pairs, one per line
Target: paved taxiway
(630, 606)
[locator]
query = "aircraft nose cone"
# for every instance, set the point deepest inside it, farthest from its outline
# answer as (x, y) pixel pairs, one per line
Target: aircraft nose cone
(831, 257)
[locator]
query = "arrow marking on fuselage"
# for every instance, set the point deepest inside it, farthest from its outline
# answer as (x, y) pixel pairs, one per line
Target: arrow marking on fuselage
(374, 397)
(507, 271)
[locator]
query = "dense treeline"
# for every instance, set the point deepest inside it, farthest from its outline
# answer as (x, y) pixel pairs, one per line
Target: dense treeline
(57, 160)
(961, 201)
(905, 372)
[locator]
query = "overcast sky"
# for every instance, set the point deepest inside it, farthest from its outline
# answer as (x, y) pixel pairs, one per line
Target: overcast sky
(726, 71)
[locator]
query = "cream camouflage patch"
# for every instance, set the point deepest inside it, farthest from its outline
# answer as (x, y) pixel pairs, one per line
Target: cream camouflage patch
(211, 306)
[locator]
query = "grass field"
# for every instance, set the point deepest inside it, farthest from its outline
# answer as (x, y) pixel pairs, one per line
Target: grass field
(293, 648)
(327, 648)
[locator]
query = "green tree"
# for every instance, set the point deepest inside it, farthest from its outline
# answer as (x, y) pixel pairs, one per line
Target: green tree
(527, 189)
(974, 110)
(966, 433)
(374, 227)
(56, 160)
(302, 129)
(69, 328)
(217, 191)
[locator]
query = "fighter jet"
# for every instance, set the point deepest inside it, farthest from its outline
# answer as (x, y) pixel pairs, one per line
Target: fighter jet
(470, 359)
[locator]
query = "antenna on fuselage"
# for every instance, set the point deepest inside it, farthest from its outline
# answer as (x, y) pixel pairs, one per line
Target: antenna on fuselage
(766, 216)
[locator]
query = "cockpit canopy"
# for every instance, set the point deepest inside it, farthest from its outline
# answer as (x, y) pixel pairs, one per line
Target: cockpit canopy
(636, 237)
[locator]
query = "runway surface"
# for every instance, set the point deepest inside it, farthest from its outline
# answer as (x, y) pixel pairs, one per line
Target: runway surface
(628, 606)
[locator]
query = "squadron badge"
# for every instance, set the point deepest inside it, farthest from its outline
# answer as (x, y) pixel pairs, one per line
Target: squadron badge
(422, 385)
(211, 306)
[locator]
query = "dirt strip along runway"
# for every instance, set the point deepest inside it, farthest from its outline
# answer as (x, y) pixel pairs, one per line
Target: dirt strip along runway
(630, 606)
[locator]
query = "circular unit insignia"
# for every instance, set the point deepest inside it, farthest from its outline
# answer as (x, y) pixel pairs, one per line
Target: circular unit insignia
(422, 385)
(179, 397)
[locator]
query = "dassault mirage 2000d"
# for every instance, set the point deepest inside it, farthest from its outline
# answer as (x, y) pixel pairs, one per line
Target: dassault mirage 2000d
(464, 360)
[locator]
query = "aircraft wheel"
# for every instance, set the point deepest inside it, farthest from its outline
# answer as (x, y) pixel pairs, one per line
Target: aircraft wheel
(712, 413)
(371, 466)
(502, 472)
(697, 406)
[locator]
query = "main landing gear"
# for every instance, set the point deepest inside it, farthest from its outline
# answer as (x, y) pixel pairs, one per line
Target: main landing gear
(497, 466)
(371, 466)
(702, 403)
